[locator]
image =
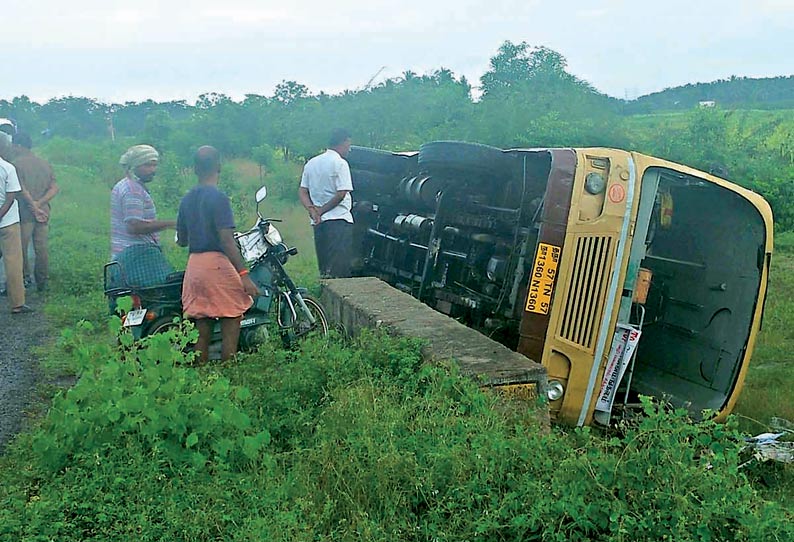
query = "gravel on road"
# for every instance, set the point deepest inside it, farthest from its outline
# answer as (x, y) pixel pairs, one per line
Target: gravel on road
(19, 365)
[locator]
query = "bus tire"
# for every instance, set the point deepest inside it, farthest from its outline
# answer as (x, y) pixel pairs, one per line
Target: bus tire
(453, 159)
(379, 161)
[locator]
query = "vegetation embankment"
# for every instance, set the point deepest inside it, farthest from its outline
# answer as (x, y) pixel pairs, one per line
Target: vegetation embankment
(341, 440)
(357, 441)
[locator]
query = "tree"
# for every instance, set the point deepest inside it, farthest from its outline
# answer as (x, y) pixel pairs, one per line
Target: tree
(263, 155)
(529, 99)
(158, 127)
(515, 64)
(75, 117)
(24, 112)
(209, 100)
(290, 117)
(288, 92)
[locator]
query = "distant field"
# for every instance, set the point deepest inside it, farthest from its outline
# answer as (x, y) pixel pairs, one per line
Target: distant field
(651, 125)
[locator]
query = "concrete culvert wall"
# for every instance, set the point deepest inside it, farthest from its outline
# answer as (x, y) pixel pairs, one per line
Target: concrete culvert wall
(367, 302)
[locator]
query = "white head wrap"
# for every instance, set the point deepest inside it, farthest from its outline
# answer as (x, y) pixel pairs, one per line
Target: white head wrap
(138, 155)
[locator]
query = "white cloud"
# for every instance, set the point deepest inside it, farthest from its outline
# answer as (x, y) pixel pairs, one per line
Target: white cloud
(773, 6)
(127, 17)
(589, 13)
(160, 49)
(252, 15)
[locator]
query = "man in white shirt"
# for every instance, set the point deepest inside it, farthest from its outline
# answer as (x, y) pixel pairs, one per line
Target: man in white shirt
(325, 194)
(10, 233)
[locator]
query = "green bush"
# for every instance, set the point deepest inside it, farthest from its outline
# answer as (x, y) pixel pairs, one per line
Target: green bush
(446, 464)
(143, 391)
(366, 443)
(99, 161)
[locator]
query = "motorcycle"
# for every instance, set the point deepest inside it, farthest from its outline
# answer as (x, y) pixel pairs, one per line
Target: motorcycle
(158, 308)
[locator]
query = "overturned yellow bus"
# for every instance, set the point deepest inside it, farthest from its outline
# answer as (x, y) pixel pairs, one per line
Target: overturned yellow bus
(623, 274)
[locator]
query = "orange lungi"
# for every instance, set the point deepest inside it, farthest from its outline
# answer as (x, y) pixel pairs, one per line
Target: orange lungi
(212, 288)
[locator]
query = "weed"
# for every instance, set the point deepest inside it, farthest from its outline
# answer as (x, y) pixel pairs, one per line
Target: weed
(347, 439)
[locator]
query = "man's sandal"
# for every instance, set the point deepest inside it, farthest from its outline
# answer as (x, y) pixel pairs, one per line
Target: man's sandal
(21, 309)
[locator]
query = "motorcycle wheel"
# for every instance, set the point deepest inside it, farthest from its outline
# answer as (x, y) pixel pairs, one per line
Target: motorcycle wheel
(165, 324)
(162, 324)
(302, 328)
(251, 338)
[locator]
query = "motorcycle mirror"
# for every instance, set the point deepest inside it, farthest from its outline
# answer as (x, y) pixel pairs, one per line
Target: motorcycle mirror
(261, 194)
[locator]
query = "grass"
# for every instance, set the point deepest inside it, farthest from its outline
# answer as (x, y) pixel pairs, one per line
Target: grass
(353, 440)
(770, 376)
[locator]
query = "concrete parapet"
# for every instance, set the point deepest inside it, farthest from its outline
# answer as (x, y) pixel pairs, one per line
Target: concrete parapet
(368, 302)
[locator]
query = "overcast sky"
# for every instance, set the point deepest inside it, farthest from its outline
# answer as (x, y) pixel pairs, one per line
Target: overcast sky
(118, 51)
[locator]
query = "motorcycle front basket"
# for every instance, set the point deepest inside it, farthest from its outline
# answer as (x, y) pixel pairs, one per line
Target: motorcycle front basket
(252, 245)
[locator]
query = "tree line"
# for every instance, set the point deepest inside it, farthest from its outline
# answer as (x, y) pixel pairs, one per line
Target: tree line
(527, 98)
(734, 92)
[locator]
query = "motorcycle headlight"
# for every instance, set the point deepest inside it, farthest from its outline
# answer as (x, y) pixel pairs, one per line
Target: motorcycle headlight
(273, 236)
(284, 253)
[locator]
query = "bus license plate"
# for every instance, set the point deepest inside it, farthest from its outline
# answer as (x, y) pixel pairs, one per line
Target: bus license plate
(134, 318)
(541, 282)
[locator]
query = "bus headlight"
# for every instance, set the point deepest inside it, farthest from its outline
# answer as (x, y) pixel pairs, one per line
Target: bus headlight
(594, 183)
(555, 390)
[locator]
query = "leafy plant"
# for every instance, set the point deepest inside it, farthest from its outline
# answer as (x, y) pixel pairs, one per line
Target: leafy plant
(147, 392)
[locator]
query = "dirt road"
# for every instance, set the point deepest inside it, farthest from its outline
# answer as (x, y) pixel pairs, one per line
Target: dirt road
(19, 368)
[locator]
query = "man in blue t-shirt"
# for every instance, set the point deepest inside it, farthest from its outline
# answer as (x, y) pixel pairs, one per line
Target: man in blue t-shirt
(216, 285)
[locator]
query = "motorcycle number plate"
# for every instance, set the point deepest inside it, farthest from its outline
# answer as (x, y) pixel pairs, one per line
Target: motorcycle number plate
(134, 318)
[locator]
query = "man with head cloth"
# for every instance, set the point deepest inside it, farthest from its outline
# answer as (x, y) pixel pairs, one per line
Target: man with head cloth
(134, 227)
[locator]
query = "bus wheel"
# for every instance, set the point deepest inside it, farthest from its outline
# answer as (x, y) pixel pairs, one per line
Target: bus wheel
(379, 161)
(460, 159)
